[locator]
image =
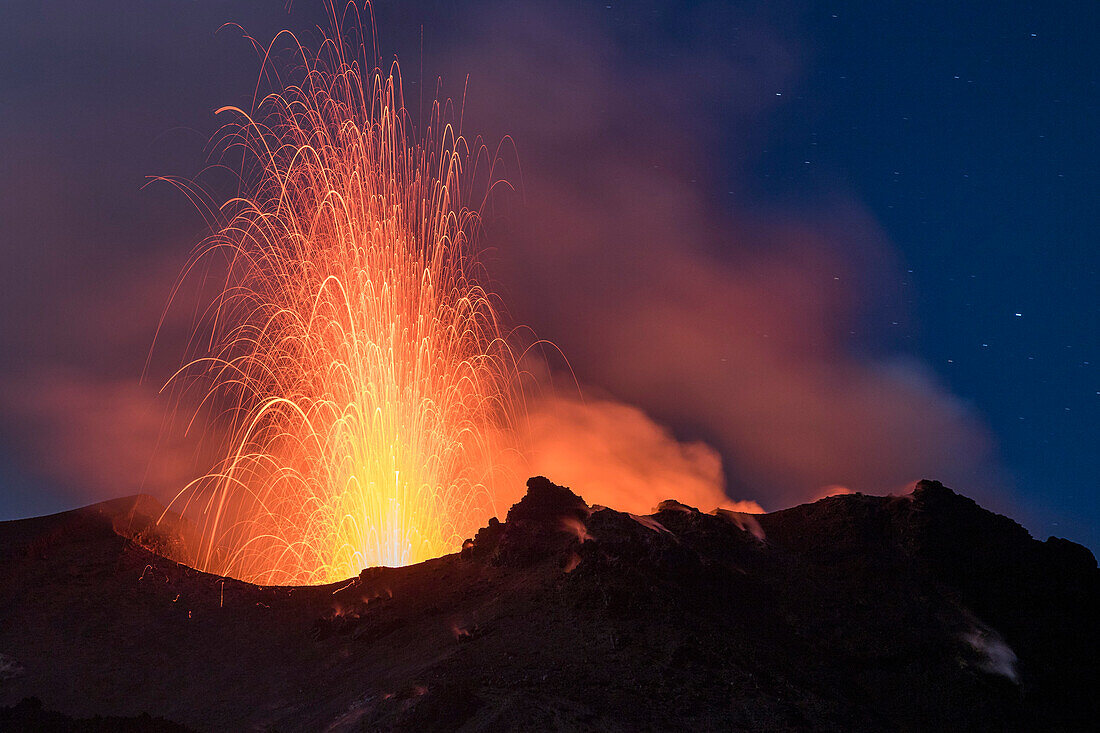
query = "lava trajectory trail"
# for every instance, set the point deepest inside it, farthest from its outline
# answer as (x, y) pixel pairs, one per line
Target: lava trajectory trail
(363, 390)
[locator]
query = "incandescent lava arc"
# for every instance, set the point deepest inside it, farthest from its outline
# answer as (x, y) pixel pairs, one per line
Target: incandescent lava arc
(364, 392)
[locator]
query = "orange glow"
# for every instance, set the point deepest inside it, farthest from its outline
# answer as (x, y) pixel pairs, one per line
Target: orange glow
(831, 490)
(365, 395)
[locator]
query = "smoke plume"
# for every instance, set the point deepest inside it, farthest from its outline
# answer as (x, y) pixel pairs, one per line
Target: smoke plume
(745, 346)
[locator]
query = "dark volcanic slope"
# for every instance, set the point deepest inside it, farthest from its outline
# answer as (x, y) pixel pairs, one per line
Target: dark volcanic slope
(854, 613)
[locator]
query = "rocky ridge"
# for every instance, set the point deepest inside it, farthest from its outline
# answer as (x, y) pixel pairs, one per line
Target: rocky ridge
(853, 613)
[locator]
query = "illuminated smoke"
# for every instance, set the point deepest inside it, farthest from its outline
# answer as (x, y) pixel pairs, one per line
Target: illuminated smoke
(613, 454)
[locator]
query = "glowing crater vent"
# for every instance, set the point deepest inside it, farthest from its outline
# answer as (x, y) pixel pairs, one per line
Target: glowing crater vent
(361, 389)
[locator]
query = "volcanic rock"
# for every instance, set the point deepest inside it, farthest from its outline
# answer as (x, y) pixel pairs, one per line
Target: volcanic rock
(29, 715)
(853, 613)
(546, 522)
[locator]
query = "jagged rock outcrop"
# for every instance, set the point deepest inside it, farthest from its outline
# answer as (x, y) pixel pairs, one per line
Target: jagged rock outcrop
(853, 613)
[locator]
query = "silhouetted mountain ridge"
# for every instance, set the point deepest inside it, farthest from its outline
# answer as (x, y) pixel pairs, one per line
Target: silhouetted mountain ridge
(852, 613)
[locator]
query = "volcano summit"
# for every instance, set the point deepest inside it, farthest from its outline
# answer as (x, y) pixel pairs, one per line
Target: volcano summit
(852, 613)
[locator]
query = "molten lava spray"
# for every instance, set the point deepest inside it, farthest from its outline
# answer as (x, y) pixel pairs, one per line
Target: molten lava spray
(355, 362)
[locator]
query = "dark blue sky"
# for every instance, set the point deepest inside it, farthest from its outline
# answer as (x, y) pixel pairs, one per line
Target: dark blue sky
(956, 141)
(969, 130)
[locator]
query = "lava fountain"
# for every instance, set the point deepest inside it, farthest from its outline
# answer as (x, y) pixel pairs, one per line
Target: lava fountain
(355, 364)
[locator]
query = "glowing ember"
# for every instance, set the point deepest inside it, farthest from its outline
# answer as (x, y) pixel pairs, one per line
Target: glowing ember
(357, 365)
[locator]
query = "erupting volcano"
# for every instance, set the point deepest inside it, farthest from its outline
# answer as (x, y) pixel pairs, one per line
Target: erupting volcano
(371, 506)
(356, 361)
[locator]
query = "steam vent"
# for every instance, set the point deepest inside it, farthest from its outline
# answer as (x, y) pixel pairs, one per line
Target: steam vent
(566, 616)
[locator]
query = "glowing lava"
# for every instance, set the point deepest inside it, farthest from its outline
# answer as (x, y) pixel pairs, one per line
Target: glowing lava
(355, 363)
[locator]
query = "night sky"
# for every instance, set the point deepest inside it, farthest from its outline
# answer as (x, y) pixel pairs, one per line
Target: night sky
(842, 243)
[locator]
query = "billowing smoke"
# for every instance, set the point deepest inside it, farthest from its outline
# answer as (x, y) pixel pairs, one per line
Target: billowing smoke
(763, 330)
(745, 349)
(105, 436)
(615, 455)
